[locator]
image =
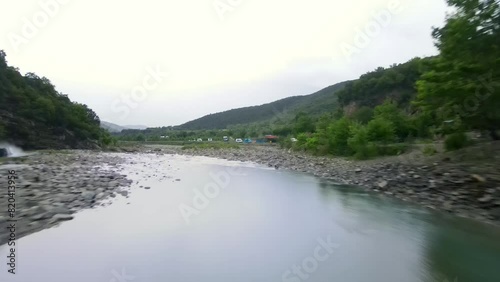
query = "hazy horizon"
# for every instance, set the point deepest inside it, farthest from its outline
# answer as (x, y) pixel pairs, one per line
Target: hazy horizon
(219, 55)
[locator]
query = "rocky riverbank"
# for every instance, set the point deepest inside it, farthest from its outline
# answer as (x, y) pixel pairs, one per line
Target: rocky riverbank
(465, 183)
(51, 186)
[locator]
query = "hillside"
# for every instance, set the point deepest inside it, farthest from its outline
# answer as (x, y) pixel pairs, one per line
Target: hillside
(111, 127)
(317, 103)
(33, 115)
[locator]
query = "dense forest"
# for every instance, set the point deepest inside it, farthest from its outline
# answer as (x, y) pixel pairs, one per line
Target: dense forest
(33, 115)
(316, 103)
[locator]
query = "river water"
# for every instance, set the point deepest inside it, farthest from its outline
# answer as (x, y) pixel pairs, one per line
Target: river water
(219, 221)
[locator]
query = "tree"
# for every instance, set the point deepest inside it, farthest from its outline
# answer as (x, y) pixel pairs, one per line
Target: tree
(363, 115)
(381, 130)
(389, 111)
(303, 123)
(338, 134)
(464, 79)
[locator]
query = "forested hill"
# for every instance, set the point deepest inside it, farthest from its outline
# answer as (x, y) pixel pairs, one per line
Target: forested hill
(371, 89)
(33, 115)
(317, 103)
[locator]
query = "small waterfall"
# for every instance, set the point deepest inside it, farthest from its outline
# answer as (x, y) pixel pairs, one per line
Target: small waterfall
(13, 151)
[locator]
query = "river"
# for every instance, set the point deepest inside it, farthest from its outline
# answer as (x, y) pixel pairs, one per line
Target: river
(218, 221)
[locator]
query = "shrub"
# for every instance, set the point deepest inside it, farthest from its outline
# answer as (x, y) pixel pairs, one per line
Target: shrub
(455, 141)
(338, 135)
(312, 144)
(381, 130)
(359, 144)
(429, 150)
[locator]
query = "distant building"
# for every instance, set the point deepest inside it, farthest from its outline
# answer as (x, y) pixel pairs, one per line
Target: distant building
(271, 138)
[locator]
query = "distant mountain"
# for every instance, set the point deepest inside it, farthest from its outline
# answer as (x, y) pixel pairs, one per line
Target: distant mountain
(314, 104)
(115, 128)
(140, 127)
(111, 127)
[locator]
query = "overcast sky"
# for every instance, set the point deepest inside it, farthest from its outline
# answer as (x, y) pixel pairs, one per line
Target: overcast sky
(165, 62)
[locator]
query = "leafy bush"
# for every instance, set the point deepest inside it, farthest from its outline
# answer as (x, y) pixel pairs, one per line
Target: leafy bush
(455, 141)
(381, 130)
(429, 150)
(312, 144)
(338, 135)
(359, 143)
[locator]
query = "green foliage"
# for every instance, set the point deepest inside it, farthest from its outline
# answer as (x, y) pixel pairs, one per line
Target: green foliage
(359, 143)
(280, 112)
(464, 79)
(389, 111)
(455, 141)
(312, 144)
(140, 138)
(36, 116)
(381, 130)
(303, 123)
(106, 139)
(429, 150)
(338, 135)
(371, 89)
(363, 115)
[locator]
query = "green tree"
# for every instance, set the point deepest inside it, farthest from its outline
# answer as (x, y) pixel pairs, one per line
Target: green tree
(359, 143)
(338, 135)
(363, 115)
(303, 123)
(381, 130)
(389, 111)
(464, 79)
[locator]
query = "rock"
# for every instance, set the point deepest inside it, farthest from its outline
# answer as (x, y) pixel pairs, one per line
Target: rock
(34, 211)
(59, 210)
(88, 196)
(177, 179)
(382, 184)
(67, 198)
(358, 170)
(478, 178)
(448, 206)
(123, 193)
(59, 217)
(147, 187)
(41, 216)
(485, 199)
